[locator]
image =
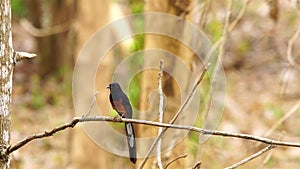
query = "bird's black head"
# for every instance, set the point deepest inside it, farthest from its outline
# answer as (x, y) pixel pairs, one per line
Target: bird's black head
(113, 86)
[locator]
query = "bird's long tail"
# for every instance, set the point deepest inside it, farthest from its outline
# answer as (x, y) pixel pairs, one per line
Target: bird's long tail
(131, 141)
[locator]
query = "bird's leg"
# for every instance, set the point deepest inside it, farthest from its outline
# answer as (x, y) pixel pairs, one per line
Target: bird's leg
(117, 118)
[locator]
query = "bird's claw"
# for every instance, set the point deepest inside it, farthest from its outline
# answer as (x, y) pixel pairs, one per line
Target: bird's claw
(117, 119)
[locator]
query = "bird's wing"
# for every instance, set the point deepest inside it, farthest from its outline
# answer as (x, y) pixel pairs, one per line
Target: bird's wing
(127, 106)
(119, 106)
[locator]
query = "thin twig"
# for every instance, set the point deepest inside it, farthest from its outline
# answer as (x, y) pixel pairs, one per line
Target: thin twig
(204, 14)
(231, 27)
(160, 113)
(42, 32)
(239, 17)
(282, 119)
(253, 156)
(52, 131)
(268, 157)
(175, 159)
(287, 74)
(225, 32)
(42, 135)
(175, 117)
(197, 165)
(18, 56)
(91, 105)
(233, 24)
(150, 123)
(290, 48)
(186, 101)
(214, 47)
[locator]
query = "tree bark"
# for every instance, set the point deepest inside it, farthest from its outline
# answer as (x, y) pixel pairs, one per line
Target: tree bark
(92, 15)
(55, 44)
(6, 71)
(170, 87)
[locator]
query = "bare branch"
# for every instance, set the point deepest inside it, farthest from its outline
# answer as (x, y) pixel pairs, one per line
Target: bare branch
(160, 113)
(18, 56)
(52, 131)
(229, 28)
(268, 157)
(284, 118)
(253, 156)
(290, 48)
(42, 32)
(151, 123)
(91, 106)
(281, 120)
(204, 14)
(186, 101)
(42, 135)
(225, 32)
(192, 128)
(197, 165)
(175, 159)
(175, 117)
(239, 17)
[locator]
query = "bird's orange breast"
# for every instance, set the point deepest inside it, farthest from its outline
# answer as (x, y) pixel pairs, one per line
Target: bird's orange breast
(118, 106)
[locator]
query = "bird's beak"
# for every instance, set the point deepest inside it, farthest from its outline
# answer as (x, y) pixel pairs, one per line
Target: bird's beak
(108, 87)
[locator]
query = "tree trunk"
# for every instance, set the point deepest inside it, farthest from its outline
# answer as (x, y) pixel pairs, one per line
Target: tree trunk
(54, 38)
(170, 87)
(91, 16)
(6, 71)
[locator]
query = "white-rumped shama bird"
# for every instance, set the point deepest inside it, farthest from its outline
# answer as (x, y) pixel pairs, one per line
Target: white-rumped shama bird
(120, 102)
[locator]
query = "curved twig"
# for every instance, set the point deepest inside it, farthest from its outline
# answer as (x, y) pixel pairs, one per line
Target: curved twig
(289, 54)
(175, 159)
(253, 156)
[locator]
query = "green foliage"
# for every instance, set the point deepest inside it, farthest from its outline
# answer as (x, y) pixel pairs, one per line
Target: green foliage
(139, 39)
(18, 8)
(215, 29)
(204, 90)
(270, 162)
(117, 126)
(193, 138)
(243, 46)
(135, 83)
(48, 91)
(58, 159)
(63, 75)
(135, 90)
(275, 110)
(137, 6)
(37, 101)
(291, 18)
(138, 43)
(205, 96)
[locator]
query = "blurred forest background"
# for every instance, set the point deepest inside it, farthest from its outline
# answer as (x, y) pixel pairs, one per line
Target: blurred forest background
(262, 82)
